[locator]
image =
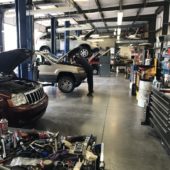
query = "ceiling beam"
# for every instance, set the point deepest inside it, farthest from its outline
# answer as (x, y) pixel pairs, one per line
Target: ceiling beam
(130, 18)
(124, 7)
(56, 16)
(101, 14)
(159, 10)
(112, 27)
(140, 10)
(130, 6)
(79, 10)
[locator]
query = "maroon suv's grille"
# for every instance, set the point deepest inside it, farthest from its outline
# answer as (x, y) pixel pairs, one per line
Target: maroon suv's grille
(35, 95)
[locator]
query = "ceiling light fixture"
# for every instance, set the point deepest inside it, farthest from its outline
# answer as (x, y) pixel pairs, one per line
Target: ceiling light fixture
(119, 18)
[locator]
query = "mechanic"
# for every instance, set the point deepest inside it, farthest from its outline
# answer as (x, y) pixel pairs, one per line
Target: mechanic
(89, 71)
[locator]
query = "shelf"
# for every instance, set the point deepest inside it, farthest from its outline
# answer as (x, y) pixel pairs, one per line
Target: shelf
(166, 55)
(144, 66)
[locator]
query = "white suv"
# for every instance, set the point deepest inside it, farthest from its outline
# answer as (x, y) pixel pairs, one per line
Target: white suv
(86, 48)
(67, 75)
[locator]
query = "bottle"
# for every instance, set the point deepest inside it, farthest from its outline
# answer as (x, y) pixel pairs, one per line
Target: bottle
(3, 126)
(154, 81)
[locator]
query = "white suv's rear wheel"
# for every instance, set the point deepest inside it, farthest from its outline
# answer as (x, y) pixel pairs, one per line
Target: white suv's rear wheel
(66, 84)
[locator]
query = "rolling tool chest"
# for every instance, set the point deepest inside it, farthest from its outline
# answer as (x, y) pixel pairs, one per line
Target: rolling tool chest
(35, 150)
(158, 114)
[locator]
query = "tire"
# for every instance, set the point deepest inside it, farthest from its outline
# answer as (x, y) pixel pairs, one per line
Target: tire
(85, 51)
(66, 84)
(45, 49)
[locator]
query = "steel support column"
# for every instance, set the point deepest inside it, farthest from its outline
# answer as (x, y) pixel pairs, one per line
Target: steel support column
(20, 7)
(1, 30)
(152, 29)
(53, 35)
(165, 21)
(66, 37)
(24, 36)
(30, 38)
(30, 26)
(165, 18)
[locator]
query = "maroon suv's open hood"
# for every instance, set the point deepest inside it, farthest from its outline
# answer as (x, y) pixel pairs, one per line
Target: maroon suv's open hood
(9, 60)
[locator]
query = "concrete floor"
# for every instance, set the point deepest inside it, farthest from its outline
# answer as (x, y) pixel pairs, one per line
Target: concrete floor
(114, 117)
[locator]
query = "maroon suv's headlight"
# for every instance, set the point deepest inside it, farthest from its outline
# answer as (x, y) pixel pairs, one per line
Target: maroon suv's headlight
(18, 99)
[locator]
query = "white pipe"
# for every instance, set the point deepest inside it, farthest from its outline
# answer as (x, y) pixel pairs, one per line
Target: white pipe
(74, 28)
(79, 27)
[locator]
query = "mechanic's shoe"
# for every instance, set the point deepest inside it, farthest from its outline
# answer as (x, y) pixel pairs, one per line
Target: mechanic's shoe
(90, 95)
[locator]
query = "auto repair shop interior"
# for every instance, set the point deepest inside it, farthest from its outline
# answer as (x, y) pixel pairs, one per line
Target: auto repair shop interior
(53, 116)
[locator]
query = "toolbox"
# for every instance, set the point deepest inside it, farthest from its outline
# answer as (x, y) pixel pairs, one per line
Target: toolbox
(22, 149)
(158, 114)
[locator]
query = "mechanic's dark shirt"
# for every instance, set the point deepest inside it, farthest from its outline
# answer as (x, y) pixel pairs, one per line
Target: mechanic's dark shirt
(84, 63)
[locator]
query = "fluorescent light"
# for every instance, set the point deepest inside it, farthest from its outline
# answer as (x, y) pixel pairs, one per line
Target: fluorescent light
(118, 31)
(118, 37)
(119, 18)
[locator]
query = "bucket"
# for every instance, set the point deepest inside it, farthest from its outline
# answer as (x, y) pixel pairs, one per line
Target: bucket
(144, 91)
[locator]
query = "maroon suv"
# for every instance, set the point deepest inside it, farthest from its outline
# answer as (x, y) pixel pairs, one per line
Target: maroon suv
(21, 101)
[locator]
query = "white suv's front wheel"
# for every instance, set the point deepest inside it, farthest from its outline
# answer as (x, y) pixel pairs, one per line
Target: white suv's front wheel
(66, 84)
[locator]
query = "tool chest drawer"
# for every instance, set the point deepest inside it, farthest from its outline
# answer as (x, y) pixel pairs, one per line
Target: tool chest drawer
(159, 115)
